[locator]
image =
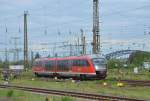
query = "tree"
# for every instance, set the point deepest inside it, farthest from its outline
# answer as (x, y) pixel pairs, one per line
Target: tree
(37, 55)
(114, 63)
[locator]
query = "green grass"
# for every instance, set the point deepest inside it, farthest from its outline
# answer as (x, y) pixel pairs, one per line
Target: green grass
(90, 87)
(128, 74)
(20, 95)
(94, 86)
(17, 95)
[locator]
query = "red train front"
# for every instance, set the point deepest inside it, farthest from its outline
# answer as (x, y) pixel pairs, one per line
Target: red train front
(76, 66)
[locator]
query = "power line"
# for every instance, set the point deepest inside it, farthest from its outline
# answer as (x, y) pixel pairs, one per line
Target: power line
(10, 18)
(127, 11)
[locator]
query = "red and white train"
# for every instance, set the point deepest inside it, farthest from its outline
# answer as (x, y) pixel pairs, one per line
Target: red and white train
(74, 66)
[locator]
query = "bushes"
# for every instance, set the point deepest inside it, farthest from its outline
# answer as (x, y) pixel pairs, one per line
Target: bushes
(139, 57)
(135, 60)
(1, 65)
(10, 93)
(114, 63)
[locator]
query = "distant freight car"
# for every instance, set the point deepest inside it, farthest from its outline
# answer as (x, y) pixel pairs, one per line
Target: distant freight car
(88, 66)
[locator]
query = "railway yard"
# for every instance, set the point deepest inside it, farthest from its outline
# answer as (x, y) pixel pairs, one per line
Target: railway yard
(74, 50)
(121, 84)
(105, 90)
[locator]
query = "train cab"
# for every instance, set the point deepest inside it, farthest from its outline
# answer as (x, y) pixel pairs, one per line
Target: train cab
(100, 66)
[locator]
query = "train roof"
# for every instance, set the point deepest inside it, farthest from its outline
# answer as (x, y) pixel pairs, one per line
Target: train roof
(95, 56)
(74, 57)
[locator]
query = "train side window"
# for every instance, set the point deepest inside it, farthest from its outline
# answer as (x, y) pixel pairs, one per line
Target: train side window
(63, 65)
(49, 65)
(66, 65)
(80, 63)
(85, 63)
(37, 63)
(75, 63)
(53, 63)
(60, 65)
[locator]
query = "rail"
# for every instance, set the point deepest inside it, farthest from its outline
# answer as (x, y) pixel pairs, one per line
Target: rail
(136, 82)
(73, 94)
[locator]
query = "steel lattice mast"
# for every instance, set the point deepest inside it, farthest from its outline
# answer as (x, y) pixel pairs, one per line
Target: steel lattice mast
(25, 41)
(96, 35)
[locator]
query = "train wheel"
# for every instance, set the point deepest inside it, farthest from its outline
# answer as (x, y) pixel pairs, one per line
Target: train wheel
(102, 78)
(82, 77)
(36, 74)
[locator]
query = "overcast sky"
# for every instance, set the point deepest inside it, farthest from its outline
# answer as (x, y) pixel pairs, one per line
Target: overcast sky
(120, 20)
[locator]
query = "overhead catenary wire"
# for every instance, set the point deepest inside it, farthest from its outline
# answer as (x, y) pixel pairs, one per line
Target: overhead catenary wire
(111, 14)
(76, 21)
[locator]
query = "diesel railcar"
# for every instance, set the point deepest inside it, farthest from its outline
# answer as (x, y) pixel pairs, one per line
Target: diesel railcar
(88, 66)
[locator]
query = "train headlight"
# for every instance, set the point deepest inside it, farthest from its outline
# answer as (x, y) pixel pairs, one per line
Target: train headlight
(96, 67)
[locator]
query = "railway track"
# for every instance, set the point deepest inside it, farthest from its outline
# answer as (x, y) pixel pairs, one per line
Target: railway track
(73, 94)
(136, 82)
(129, 82)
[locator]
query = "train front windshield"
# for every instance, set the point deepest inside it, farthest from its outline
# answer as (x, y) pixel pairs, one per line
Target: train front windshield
(99, 63)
